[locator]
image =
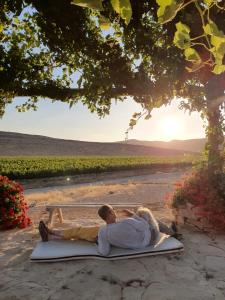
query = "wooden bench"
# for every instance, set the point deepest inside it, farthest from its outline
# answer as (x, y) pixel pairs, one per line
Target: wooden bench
(57, 208)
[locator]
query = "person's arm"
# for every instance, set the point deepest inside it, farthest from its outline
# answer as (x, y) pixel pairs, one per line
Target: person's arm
(128, 213)
(103, 244)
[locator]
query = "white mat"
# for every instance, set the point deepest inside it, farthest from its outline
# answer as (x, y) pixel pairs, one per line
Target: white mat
(57, 250)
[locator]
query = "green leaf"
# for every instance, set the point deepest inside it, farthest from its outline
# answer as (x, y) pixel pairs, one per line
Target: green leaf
(148, 116)
(217, 41)
(104, 23)
(16, 21)
(93, 4)
(136, 115)
(218, 69)
(208, 2)
(219, 45)
(212, 29)
(164, 2)
(218, 57)
(182, 40)
(123, 8)
(181, 27)
(167, 10)
(132, 123)
(1, 27)
(192, 55)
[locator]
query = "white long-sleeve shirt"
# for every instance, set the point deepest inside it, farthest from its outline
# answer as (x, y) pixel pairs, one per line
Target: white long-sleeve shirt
(130, 233)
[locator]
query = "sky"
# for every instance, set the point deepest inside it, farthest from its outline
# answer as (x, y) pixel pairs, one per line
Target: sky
(59, 121)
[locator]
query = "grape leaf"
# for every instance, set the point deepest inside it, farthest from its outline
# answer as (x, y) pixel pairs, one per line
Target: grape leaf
(123, 8)
(192, 55)
(212, 29)
(93, 4)
(167, 10)
(218, 69)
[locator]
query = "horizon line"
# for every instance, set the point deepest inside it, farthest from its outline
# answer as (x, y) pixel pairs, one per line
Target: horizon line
(91, 141)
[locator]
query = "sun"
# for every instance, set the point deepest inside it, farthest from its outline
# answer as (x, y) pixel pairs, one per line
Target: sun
(170, 128)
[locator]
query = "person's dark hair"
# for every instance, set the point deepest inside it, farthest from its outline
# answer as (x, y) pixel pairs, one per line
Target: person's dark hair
(104, 210)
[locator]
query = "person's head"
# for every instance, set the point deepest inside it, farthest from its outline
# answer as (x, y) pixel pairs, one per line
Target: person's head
(107, 213)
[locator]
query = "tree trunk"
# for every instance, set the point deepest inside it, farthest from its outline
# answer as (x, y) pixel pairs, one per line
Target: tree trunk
(214, 131)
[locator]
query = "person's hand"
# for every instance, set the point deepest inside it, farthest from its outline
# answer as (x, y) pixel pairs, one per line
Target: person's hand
(127, 212)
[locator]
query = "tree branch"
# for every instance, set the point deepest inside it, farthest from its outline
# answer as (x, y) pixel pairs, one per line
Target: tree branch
(59, 93)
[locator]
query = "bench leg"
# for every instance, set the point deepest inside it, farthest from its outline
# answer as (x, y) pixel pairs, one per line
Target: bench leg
(60, 216)
(51, 216)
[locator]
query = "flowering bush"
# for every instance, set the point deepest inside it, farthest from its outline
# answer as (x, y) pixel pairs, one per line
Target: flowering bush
(13, 208)
(207, 197)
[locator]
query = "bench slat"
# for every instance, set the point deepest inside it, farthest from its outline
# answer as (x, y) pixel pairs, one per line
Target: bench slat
(57, 207)
(91, 205)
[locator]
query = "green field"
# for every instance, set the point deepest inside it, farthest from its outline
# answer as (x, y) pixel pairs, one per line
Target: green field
(40, 167)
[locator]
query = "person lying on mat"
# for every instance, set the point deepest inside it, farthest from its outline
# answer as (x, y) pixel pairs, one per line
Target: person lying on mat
(136, 231)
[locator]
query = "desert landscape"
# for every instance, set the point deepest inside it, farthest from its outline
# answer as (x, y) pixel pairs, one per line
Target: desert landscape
(197, 273)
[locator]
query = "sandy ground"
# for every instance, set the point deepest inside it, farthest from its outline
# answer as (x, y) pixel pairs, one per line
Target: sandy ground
(198, 273)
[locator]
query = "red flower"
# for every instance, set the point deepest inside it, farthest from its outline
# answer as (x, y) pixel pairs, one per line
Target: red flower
(207, 198)
(13, 211)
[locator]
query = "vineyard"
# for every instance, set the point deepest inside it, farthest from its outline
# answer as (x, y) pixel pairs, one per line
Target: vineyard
(40, 167)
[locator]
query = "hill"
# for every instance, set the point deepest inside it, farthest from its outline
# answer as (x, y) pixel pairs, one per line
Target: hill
(192, 145)
(18, 144)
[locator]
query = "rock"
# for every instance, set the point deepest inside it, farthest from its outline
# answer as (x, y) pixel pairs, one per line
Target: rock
(135, 283)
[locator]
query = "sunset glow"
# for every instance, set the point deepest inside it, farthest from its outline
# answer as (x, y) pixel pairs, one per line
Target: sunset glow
(171, 128)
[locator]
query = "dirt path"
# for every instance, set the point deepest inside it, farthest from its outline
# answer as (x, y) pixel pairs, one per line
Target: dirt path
(148, 189)
(123, 176)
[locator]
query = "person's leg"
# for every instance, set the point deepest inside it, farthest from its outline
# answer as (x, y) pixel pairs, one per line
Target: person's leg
(170, 230)
(157, 226)
(43, 231)
(88, 233)
(164, 228)
(46, 233)
(146, 214)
